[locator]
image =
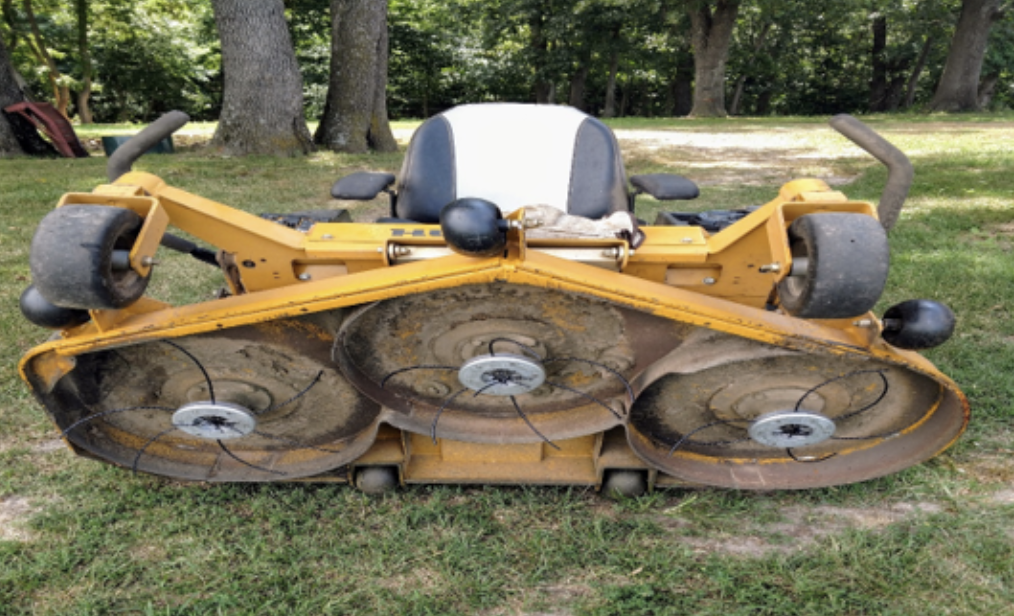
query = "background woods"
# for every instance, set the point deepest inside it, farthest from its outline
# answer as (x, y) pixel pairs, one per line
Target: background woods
(114, 61)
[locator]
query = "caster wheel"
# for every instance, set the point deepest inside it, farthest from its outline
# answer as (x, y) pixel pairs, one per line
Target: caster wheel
(78, 257)
(624, 484)
(377, 479)
(839, 266)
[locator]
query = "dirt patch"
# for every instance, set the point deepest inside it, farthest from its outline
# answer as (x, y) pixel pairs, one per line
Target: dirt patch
(755, 159)
(1006, 228)
(922, 128)
(14, 513)
(803, 526)
(1004, 497)
(49, 446)
(557, 599)
(991, 467)
(419, 578)
(147, 553)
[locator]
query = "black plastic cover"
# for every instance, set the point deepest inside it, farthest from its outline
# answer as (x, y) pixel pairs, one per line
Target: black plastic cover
(426, 183)
(361, 185)
(666, 186)
(712, 221)
(598, 181)
(472, 227)
(304, 221)
(918, 324)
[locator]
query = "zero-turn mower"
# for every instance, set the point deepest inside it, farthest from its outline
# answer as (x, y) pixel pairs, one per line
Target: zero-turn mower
(510, 322)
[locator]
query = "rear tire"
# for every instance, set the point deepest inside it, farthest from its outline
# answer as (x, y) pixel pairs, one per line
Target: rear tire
(72, 257)
(624, 484)
(376, 479)
(847, 259)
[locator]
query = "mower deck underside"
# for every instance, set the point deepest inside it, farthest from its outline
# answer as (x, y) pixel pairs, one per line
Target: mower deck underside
(571, 386)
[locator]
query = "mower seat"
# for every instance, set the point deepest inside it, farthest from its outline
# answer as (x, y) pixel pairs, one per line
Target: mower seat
(512, 155)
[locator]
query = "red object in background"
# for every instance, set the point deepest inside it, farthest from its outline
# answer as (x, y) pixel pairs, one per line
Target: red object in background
(47, 119)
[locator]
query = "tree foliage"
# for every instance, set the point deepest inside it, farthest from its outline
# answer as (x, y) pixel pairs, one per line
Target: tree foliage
(608, 57)
(148, 56)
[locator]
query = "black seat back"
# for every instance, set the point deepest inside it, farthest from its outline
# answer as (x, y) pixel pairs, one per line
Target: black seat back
(513, 155)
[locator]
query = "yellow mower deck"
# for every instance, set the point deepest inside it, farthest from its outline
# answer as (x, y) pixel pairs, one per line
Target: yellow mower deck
(661, 358)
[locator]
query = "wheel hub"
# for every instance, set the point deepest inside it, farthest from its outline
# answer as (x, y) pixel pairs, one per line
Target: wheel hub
(502, 375)
(214, 420)
(786, 429)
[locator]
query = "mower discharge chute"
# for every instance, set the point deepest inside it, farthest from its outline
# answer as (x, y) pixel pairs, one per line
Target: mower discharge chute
(510, 322)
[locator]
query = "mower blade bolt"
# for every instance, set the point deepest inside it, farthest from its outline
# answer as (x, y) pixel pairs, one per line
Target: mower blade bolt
(503, 374)
(786, 429)
(214, 420)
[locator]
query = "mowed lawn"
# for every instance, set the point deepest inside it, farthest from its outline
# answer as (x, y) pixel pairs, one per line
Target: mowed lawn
(80, 537)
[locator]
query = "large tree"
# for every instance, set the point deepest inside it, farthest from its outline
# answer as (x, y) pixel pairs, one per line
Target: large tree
(355, 114)
(262, 103)
(958, 88)
(711, 24)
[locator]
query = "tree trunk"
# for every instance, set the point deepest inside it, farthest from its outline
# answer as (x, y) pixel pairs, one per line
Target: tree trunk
(895, 89)
(920, 64)
(15, 130)
(83, 109)
(262, 101)
(758, 45)
(609, 111)
(61, 93)
(683, 88)
(540, 51)
(878, 84)
(737, 95)
(987, 89)
(543, 91)
(9, 94)
(625, 96)
(764, 103)
(711, 34)
(578, 81)
(355, 114)
(958, 89)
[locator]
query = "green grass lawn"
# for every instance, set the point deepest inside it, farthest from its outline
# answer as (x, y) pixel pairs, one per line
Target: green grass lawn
(80, 537)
